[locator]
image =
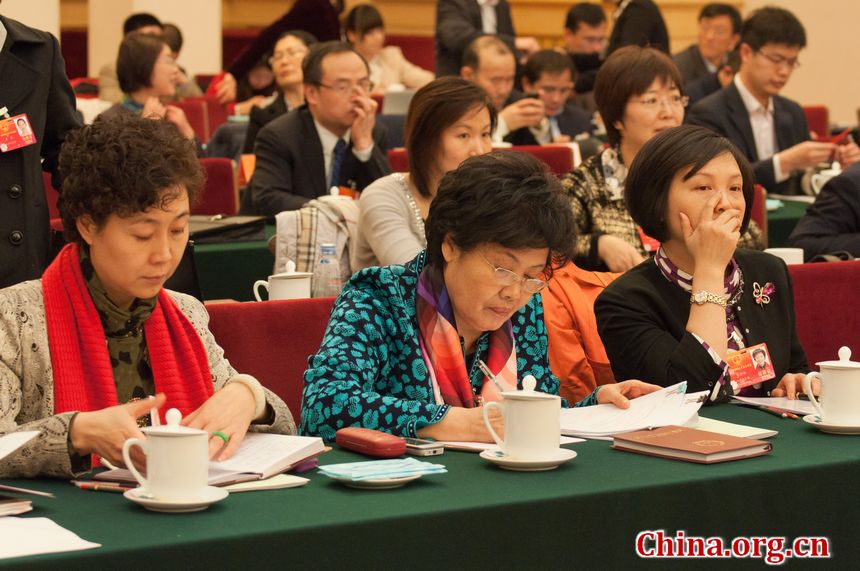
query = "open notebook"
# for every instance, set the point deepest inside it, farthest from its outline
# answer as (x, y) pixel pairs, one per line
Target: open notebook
(259, 457)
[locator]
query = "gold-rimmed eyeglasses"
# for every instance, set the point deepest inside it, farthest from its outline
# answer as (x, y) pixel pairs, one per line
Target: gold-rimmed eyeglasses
(505, 277)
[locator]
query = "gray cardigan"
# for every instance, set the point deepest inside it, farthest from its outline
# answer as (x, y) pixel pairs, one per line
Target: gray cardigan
(27, 382)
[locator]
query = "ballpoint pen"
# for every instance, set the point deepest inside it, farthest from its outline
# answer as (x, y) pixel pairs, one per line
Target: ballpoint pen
(777, 412)
(486, 370)
(96, 487)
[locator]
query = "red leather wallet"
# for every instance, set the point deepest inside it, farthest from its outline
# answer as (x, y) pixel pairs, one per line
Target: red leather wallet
(370, 442)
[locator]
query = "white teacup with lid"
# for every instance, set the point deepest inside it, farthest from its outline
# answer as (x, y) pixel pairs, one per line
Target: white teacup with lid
(839, 403)
(532, 423)
(288, 285)
(177, 460)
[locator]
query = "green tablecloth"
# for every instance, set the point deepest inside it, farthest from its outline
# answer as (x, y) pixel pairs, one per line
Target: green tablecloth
(228, 271)
(782, 221)
(586, 513)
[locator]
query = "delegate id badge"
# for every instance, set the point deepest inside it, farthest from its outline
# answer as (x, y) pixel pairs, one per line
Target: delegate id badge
(750, 366)
(650, 244)
(15, 132)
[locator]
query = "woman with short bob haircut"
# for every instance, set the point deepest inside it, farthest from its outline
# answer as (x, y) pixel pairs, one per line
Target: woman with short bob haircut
(83, 348)
(639, 93)
(681, 316)
(402, 346)
(449, 120)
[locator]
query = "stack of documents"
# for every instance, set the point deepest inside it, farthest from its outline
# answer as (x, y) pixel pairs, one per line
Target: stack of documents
(381, 469)
(796, 406)
(670, 405)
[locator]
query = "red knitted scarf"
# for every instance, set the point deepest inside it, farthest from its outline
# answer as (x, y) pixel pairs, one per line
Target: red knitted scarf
(83, 377)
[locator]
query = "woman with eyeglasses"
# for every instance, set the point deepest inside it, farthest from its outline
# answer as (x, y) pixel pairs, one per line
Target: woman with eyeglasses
(286, 63)
(638, 94)
(402, 350)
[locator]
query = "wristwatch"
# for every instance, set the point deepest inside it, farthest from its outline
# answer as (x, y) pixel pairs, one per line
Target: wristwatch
(702, 297)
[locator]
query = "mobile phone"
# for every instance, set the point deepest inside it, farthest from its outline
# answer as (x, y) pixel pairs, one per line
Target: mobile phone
(421, 447)
(532, 95)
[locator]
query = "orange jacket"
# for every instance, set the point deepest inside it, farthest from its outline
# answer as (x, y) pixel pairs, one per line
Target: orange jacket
(576, 353)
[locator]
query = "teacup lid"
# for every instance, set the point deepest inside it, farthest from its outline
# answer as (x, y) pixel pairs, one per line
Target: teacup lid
(291, 272)
(172, 428)
(844, 361)
(528, 392)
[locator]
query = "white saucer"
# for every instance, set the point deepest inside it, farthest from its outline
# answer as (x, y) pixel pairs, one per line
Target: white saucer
(552, 462)
(210, 495)
(816, 421)
(380, 483)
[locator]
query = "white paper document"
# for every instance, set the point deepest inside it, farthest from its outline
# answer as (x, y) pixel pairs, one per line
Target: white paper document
(730, 428)
(21, 536)
(13, 441)
(481, 446)
(797, 406)
(670, 405)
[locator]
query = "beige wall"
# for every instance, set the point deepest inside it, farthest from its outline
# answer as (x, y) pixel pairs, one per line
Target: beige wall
(46, 18)
(830, 63)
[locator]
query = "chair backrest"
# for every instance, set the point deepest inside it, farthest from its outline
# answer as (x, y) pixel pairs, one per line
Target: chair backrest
(219, 192)
(419, 50)
(818, 120)
(195, 112)
(272, 341)
(558, 158)
(825, 300)
(395, 126)
(759, 211)
(398, 160)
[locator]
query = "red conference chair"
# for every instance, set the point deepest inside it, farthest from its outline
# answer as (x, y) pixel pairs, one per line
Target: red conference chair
(216, 113)
(272, 341)
(759, 210)
(818, 120)
(398, 160)
(379, 100)
(219, 192)
(558, 158)
(825, 304)
(419, 50)
(85, 87)
(195, 111)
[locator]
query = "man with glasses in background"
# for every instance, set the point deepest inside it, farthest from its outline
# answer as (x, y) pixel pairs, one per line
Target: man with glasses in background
(548, 75)
(330, 141)
(769, 129)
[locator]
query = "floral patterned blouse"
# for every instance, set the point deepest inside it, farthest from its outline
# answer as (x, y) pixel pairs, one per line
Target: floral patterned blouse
(369, 371)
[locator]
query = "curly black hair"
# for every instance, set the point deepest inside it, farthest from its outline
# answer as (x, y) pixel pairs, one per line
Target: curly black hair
(122, 165)
(504, 197)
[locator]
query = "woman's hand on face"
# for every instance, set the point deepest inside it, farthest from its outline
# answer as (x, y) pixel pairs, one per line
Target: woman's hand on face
(229, 411)
(103, 432)
(465, 424)
(713, 241)
(791, 384)
(620, 394)
(618, 255)
(153, 109)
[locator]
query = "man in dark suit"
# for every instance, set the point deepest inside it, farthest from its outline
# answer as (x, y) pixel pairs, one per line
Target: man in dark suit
(459, 22)
(719, 33)
(332, 140)
(33, 82)
(585, 36)
(490, 64)
(548, 75)
(638, 23)
(770, 130)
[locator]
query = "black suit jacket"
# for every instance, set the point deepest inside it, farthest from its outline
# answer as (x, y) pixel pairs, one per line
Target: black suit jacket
(571, 121)
(832, 223)
(259, 118)
(640, 24)
(642, 319)
(724, 112)
(32, 81)
(290, 169)
(458, 22)
(691, 64)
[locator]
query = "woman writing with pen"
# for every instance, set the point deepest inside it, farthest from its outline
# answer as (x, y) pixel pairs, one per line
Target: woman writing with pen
(82, 348)
(402, 349)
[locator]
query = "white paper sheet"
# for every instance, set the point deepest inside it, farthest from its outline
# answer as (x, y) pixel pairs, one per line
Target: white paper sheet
(21, 536)
(796, 406)
(11, 442)
(670, 405)
(481, 446)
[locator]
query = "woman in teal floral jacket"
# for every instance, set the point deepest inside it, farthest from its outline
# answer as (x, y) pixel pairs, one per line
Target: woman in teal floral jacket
(403, 344)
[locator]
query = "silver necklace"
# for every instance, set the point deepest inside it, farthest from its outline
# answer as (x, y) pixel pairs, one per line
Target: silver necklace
(416, 212)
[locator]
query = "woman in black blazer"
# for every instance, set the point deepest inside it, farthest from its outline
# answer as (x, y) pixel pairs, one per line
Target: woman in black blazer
(685, 314)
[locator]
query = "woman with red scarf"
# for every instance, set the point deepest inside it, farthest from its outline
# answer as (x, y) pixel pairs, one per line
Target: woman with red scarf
(83, 349)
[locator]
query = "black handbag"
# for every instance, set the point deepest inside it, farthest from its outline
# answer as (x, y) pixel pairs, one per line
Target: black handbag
(218, 229)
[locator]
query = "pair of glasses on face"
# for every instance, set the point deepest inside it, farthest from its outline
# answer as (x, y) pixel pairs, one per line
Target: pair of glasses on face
(652, 102)
(344, 88)
(779, 61)
(552, 90)
(291, 54)
(505, 277)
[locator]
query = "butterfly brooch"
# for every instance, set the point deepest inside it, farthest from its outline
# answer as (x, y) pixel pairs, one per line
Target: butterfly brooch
(762, 294)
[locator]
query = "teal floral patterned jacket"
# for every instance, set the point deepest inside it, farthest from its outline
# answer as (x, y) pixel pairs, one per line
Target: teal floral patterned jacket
(370, 372)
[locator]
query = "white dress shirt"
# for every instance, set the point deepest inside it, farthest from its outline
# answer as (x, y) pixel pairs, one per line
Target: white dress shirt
(488, 16)
(763, 128)
(328, 140)
(3, 34)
